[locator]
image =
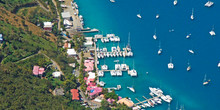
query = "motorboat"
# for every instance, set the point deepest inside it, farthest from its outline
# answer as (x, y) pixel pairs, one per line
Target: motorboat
(209, 4)
(212, 32)
(175, 2)
(104, 67)
(170, 65)
(166, 98)
(131, 88)
(139, 16)
(116, 61)
(191, 51)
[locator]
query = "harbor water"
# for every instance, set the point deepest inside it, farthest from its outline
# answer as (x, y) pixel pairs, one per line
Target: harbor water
(186, 88)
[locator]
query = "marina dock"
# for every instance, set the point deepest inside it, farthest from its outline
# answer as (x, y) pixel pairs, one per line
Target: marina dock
(141, 102)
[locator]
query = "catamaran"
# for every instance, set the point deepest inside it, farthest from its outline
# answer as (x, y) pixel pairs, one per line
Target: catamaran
(205, 82)
(175, 2)
(132, 72)
(170, 65)
(192, 16)
(139, 16)
(209, 4)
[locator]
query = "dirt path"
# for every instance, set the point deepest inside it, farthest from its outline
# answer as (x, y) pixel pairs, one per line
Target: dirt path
(42, 6)
(58, 14)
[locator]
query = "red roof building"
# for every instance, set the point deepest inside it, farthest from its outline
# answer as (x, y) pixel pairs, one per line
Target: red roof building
(41, 71)
(75, 94)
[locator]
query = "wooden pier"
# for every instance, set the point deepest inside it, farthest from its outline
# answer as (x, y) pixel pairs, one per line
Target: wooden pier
(146, 100)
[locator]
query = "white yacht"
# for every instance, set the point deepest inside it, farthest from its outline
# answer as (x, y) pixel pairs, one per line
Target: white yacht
(175, 2)
(219, 64)
(139, 16)
(101, 73)
(156, 91)
(166, 98)
(132, 72)
(192, 16)
(188, 36)
(191, 51)
(131, 88)
(113, 1)
(170, 65)
(101, 83)
(157, 16)
(212, 32)
(117, 66)
(205, 82)
(113, 73)
(209, 4)
(104, 67)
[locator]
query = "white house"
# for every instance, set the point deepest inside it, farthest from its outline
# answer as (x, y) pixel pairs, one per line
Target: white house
(66, 15)
(71, 52)
(48, 26)
(89, 41)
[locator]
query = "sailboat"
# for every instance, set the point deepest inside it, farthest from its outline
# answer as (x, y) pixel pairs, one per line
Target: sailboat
(189, 67)
(188, 36)
(212, 32)
(205, 82)
(175, 2)
(132, 88)
(139, 16)
(219, 64)
(170, 65)
(112, 1)
(191, 51)
(192, 16)
(160, 49)
(155, 36)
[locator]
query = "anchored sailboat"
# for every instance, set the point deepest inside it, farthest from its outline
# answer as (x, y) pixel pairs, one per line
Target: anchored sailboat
(155, 36)
(132, 88)
(205, 82)
(160, 49)
(188, 67)
(192, 16)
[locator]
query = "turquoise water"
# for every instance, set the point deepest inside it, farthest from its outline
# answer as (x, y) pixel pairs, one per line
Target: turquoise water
(184, 87)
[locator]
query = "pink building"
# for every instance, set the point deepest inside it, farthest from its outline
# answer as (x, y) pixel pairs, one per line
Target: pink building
(89, 64)
(95, 91)
(38, 71)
